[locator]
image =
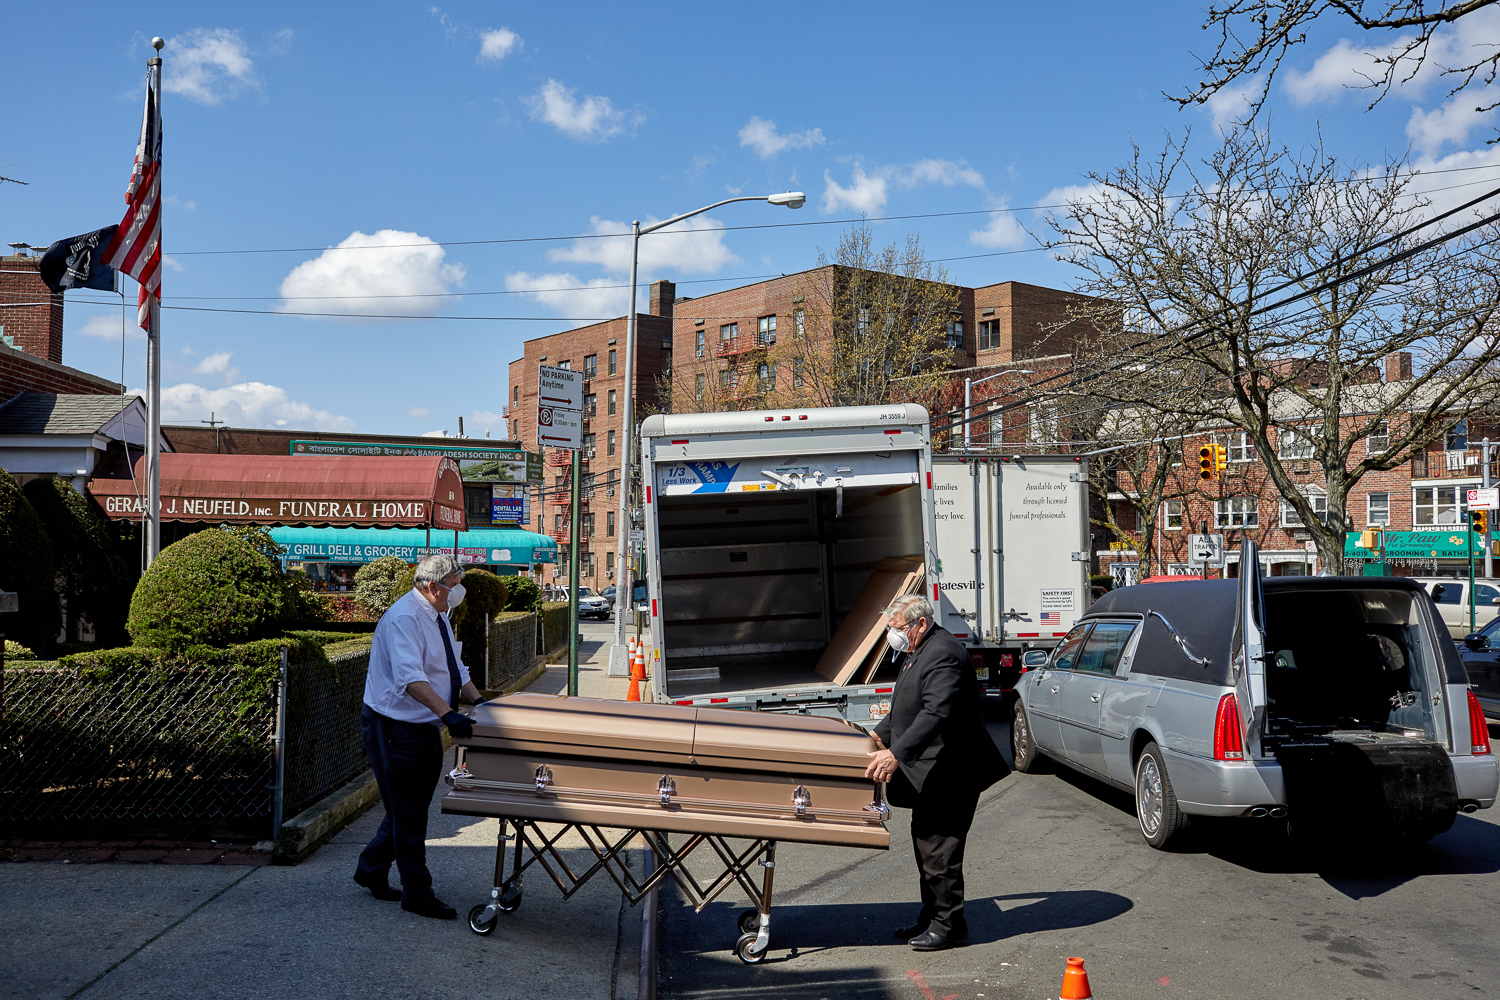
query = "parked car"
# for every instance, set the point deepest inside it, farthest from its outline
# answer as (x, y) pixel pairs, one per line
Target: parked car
(1317, 698)
(608, 593)
(1453, 601)
(590, 603)
(1480, 652)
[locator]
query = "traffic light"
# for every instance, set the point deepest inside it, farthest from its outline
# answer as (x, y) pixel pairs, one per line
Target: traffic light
(1207, 467)
(1221, 459)
(1479, 521)
(1370, 539)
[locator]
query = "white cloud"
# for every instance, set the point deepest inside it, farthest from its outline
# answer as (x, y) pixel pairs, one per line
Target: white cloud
(1429, 131)
(1003, 230)
(865, 194)
(190, 205)
(479, 420)
(695, 246)
(280, 43)
(582, 301)
(497, 43)
(944, 172)
(1441, 201)
(217, 364)
(762, 136)
(1232, 104)
(106, 326)
(398, 263)
(419, 413)
(1341, 67)
(435, 434)
(172, 262)
(593, 119)
(248, 404)
(208, 64)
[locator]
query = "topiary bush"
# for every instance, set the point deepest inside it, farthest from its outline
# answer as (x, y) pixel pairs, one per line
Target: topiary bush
(91, 578)
(377, 585)
(15, 651)
(522, 594)
(484, 597)
(209, 589)
(26, 567)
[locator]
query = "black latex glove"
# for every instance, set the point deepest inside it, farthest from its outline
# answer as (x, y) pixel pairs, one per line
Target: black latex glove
(459, 725)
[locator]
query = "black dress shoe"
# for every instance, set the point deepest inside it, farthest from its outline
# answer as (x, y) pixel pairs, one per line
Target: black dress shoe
(933, 941)
(429, 907)
(907, 933)
(377, 886)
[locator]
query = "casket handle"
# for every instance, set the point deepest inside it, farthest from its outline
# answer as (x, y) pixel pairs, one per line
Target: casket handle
(801, 799)
(665, 789)
(458, 774)
(878, 806)
(543, 778)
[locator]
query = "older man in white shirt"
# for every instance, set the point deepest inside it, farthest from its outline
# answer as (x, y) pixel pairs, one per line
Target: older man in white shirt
(411, 691)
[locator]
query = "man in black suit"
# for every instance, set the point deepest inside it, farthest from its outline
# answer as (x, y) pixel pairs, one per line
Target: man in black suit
(937, 756)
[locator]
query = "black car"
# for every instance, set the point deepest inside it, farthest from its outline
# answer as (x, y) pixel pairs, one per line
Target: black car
(1480, 652)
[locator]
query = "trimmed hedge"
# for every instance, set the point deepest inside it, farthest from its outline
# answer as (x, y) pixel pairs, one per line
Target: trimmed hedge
(211, 588)
(554, 625)
(91, 574)
(522, 594)
(377, 585)
(15, 651)
(26, 567)
(484, 597)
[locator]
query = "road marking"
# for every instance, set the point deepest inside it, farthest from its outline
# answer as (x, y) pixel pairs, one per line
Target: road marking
(927, 992)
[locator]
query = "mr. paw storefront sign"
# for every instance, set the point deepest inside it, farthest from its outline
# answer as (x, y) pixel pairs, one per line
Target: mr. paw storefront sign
(344, 491)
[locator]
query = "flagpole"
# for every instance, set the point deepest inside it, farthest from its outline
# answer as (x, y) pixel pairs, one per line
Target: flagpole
(153, 376)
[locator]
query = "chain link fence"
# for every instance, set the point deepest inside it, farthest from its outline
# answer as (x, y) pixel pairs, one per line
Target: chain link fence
(324, 748)
(512, 641)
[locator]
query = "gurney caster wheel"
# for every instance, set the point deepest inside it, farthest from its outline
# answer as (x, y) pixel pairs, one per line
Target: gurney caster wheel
(475, 923)
(511, 899)
(749, 921)
(744, 954)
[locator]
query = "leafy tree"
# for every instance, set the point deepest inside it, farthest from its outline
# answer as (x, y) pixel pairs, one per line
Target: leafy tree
(26, 567)
(522, 594)
(484, 597)
(90, 574)
(211, 588)
(377, 585)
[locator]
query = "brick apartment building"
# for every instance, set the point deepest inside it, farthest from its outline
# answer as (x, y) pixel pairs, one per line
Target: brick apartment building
(1424, 495)
(31, 337)
(718, 346)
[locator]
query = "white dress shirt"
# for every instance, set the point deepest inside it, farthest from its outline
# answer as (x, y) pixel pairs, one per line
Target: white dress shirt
(408, 647)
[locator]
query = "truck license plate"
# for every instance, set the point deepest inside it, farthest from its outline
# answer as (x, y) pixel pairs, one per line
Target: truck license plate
(982, 673)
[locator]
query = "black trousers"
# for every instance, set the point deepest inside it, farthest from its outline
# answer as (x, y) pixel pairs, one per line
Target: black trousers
(406, 758)
(940, 821)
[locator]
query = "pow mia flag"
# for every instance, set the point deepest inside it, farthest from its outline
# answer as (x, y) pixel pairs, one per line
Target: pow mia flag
(74, 262)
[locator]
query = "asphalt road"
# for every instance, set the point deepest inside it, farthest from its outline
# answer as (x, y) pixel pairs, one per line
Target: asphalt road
(1056, 867)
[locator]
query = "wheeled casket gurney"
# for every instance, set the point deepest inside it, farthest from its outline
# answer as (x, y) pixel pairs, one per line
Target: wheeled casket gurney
(708, 775)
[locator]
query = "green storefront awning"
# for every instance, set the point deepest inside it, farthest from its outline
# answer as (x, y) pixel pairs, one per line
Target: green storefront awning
(477, 546)
(1415, 546)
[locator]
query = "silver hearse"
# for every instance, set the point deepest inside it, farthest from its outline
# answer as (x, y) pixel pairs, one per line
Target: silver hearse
(1327, 700)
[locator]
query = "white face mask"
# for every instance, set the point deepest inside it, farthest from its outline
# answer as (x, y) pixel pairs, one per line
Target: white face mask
(455, 596)
(897, 639)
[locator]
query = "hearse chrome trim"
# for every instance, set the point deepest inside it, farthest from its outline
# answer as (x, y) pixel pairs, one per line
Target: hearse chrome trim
(1202, 661)
(869, 814)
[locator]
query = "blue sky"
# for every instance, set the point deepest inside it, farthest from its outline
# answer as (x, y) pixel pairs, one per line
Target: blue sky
(400, 126)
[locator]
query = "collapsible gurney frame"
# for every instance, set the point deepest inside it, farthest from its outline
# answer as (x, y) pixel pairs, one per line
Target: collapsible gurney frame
(534, 847)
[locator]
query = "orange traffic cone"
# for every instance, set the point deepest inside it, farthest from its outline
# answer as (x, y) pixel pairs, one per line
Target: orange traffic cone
(638, 665)
(635, 690)
(1075, 982)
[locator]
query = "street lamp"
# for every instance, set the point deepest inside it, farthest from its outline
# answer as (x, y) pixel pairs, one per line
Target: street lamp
(624, 585)
(970, 383)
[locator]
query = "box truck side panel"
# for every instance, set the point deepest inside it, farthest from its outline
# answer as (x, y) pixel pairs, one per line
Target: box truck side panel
(1044, 532)
(954, 510)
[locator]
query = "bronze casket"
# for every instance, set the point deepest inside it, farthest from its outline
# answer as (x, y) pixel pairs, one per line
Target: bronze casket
(727, 772)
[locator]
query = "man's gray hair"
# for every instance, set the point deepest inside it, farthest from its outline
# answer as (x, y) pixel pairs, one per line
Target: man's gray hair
(911, 607)
(436, 569)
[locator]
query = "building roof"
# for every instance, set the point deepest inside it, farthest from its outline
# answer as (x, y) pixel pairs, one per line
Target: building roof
(59, 413)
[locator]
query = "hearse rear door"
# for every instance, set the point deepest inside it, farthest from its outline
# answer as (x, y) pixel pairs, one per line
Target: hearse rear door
(1248, 650)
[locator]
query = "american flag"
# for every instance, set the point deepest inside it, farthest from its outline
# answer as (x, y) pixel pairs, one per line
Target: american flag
(1050, 618)
(136, 248)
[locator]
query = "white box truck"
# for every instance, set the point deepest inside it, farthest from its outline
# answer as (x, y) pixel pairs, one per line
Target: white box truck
(1013, 555)
(762, 530)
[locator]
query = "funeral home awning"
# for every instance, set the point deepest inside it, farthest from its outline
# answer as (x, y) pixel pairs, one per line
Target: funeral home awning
(409, 492)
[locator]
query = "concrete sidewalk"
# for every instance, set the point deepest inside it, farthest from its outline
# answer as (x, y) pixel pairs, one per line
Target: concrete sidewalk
(166, 931)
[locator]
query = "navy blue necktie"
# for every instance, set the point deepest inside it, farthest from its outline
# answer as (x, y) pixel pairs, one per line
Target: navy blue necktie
(454, 681)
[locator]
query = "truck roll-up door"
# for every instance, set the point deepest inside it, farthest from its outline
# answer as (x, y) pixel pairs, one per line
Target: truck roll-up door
(766, 474)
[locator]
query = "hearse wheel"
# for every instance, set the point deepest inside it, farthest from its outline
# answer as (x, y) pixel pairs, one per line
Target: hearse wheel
(1163, 823)
(1022, 749)
(742, 949)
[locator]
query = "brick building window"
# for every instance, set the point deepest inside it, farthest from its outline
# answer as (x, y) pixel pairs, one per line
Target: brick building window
(611, 405)
(767, 375)
(989, 335)
(609, 523)
(611, 362)
(766, 329)
(589, 443)
(796, 373)
(590, 365)
(1378, 439)
(1237, 512)
(799, 324)
(727, 378)
(1439, 505)
(609, 564)
(1172, 515)
(1456, 438)
(1237, 445)
(1291, 519)
(698, 345)
(1041, 423)
(1378, 508)
(611, 443)
(1292, 445)
(588, 524)
(517, 394)
(863, 326)
(591, 405)
(666, 359)
(557, 521)
(729, 331)
(956, 335)
(1419, 463)
(585, 564)
(698, 381)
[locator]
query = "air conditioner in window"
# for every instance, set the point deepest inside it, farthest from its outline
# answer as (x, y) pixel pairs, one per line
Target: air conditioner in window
(1301, 465)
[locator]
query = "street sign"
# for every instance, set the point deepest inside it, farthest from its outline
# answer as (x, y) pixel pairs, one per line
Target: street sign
(559, 428)
(1205, 550)
(1485, 499)
(637, 534)
(559, 387)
